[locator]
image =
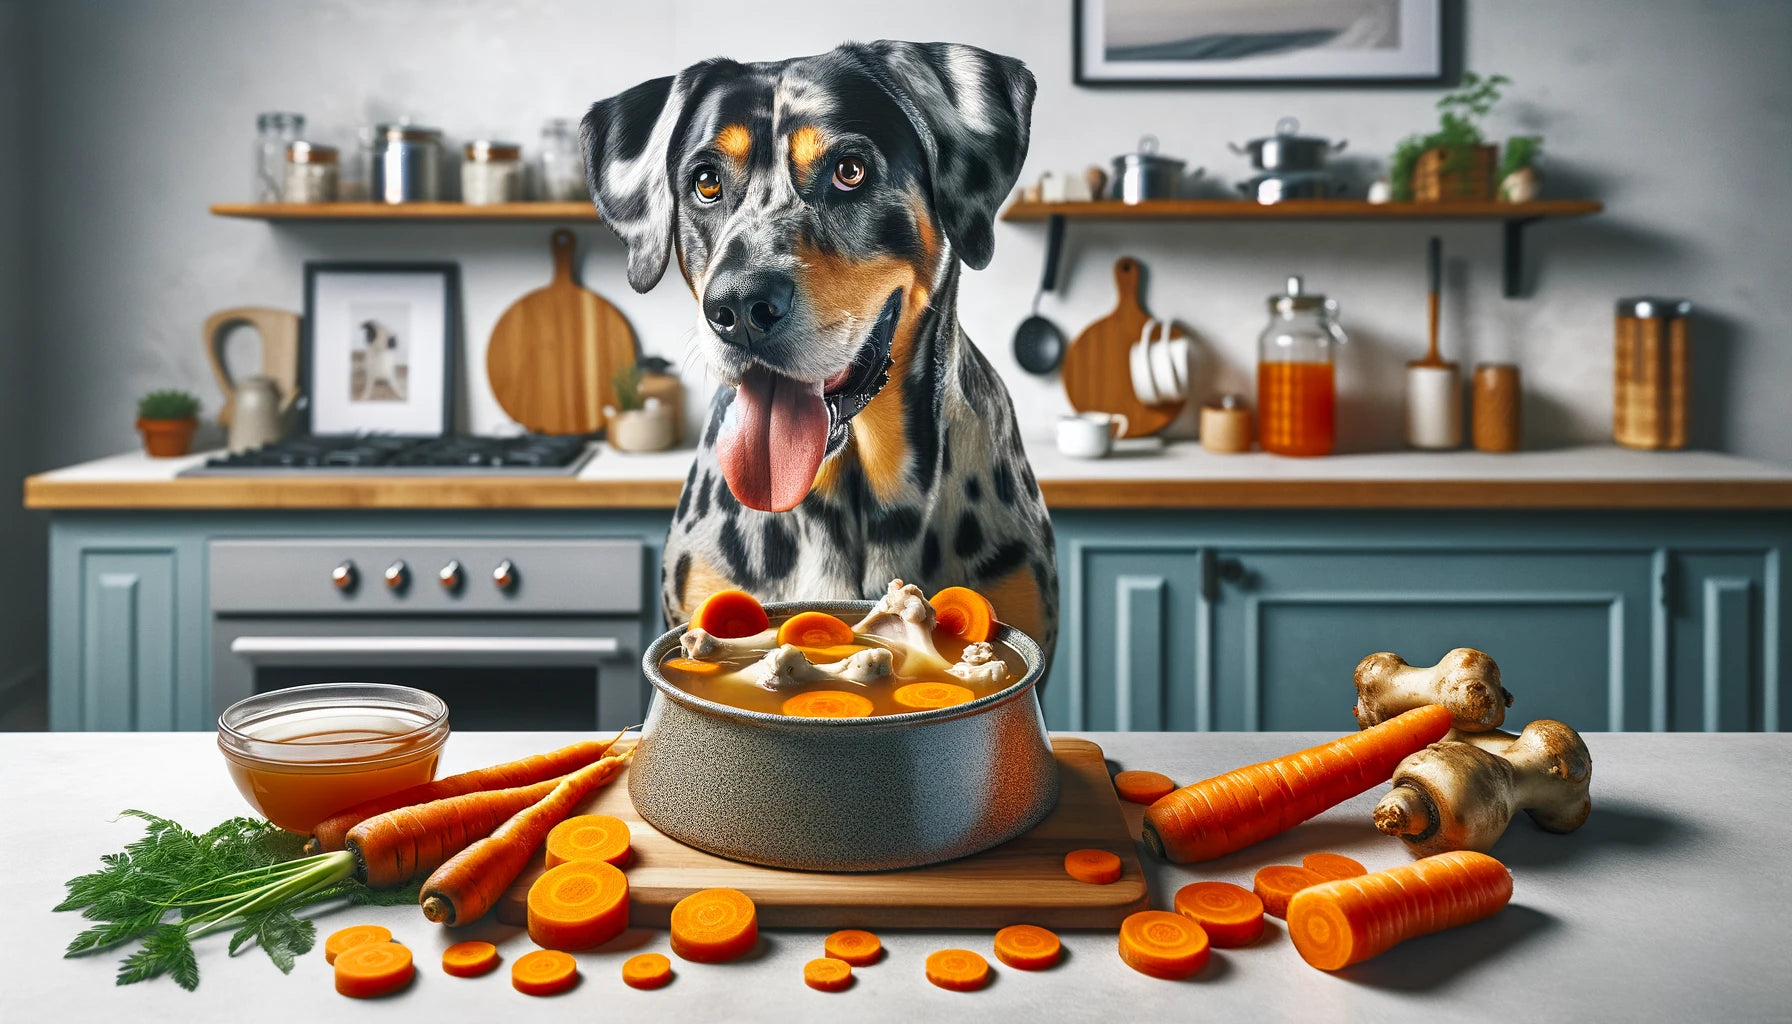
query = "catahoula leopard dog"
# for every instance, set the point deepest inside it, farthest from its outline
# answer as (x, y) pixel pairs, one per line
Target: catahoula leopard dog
(819, 209)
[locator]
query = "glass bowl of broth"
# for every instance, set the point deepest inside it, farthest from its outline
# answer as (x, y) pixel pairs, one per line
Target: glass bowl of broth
(300, 754)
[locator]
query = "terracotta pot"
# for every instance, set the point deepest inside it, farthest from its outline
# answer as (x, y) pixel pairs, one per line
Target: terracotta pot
(165, 439)
(1463, 175)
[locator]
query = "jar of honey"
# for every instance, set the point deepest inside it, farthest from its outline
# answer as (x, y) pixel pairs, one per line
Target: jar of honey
(1296, 382)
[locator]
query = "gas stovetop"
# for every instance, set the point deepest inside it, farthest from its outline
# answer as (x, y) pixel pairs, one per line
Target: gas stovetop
(527, 455)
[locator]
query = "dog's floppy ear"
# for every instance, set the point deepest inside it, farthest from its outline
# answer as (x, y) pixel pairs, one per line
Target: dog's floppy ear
(972, 110)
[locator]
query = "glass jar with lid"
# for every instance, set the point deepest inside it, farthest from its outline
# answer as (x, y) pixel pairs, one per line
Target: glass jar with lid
(310, 173)
(561, 173)
(274, 131)
(1296, 379)
(491, 172)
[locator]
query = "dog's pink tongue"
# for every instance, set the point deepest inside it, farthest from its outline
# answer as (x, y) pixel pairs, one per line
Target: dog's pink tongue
(773, 440)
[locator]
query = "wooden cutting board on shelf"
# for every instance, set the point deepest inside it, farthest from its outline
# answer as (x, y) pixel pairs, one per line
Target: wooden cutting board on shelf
(555, 352)
(1098, 367)
(1021, 880)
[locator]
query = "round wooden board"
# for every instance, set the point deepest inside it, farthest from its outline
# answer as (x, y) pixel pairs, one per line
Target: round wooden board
(1097, 369)
(555, 352)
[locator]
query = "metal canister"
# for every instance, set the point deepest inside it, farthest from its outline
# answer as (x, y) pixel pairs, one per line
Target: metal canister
(407, 164)
(1146, 175)
(1650, 373)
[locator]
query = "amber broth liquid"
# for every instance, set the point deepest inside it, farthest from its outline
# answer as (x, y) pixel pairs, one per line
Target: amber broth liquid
(298, 796)
(1296, 407)
(734, 687)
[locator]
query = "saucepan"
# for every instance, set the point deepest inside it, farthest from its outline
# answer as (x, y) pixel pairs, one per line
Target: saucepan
(845, 794)
(1287, 150)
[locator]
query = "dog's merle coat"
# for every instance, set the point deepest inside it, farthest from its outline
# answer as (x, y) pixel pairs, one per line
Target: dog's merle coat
(864, 176)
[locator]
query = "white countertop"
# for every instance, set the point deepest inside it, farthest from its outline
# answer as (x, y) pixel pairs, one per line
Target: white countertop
(1666, 906)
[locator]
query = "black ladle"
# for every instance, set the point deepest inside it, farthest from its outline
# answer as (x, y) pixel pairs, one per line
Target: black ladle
(1038, 344)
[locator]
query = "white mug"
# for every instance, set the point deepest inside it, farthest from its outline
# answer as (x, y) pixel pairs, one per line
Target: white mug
(1089, 435)
(1159, 364)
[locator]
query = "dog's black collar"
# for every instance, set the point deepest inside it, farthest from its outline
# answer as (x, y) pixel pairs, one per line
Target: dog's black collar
(870, 372)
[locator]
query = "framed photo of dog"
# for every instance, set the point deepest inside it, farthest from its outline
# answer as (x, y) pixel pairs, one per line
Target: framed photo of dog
(378, 351)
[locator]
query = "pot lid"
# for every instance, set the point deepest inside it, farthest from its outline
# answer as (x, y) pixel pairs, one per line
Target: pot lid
(1288, 130)
(1146, 154)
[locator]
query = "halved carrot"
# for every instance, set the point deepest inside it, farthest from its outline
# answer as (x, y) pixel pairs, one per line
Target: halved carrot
(589, 837)
(1028, 947)
(469, 959)
(826, 974)
(927, 696)
(713, 925)
(1163, 945)
(1348, 920)
(828, 704)
(1231, 915)
(344, 939)
(729, 614)
(1097, 867)
(1332, 865)
(577, 905)
(855, 946)
(964, 613)
(545, 972)
(1276, 885)
(693, 666)
(374, 969)
(1143, 787)
(959, 970)
(647, 970)
(814, 629)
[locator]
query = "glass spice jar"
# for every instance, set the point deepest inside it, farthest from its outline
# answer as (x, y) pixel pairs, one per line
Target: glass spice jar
(1296, 380)
(310, 173)
(274, 130)
(491, 172)
(561, 176)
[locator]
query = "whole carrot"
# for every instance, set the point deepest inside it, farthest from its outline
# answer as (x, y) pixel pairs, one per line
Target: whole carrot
(404, 843)
(471, 882)
(1247, 805)
(1348, 920)
(331, 833)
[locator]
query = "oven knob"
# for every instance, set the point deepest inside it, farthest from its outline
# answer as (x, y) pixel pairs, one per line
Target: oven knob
(344, 576)
(397, 575)
(450, 575)
(505, 576)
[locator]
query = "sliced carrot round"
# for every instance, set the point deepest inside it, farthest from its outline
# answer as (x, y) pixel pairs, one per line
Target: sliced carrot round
(826, 974)
(927, 696)
(469, 959)
(814, 629)
(1162, 944)
(1097, 867)
(545, 972)
(647, 970)
(832, 652)
(352, 936)
(964, 613)
(828, 704)
(693, 666)
(1143, 787)
(959, 970)
(589, 837)
(1276, 885)
(374, 969)
(855, 946)
(1231, 915)
(1028, 947)
(577, 905)
(1330, 866)
(730, 614)
(713, 925)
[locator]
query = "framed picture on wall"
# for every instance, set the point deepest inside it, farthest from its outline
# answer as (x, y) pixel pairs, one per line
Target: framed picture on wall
(1258, 42)
(378, 350)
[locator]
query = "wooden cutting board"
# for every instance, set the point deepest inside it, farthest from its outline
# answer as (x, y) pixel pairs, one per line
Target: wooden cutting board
(555, 352)
(1022, 880)
(1098, 368)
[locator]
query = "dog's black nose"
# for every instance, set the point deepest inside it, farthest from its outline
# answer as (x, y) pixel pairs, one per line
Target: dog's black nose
(743, 306)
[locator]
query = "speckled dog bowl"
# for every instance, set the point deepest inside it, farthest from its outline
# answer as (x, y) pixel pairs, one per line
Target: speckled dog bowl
(845, 794)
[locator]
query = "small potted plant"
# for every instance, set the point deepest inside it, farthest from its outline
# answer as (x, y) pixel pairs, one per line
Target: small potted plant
(1518, 172)
(167, 419)
(1453, 163)
(637, 422)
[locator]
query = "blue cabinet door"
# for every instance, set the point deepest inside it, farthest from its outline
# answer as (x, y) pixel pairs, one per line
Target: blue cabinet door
(1723, 642)
(127, 666)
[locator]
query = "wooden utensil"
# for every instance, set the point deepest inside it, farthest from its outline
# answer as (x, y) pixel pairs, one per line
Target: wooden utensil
(1434, 273)
(1097, 369)
(555, 352)
(1021, 880)
(279, 332)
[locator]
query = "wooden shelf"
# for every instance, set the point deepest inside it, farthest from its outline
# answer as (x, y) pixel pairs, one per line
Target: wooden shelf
(407, 212)
(1298, 209)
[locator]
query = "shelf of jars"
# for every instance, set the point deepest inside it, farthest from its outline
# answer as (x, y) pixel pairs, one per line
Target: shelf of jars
(409, 212)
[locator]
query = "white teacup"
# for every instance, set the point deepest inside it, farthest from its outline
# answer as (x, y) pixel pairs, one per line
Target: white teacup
(1159, 365)
(1089, 435)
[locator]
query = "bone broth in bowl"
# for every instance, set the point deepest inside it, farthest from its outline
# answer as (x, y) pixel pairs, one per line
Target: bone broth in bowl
(845, 735)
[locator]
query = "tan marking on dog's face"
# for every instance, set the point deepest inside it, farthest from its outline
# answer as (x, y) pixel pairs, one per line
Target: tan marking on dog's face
(1018, 602)
(735, 142)
(703, 580)
(806, 147)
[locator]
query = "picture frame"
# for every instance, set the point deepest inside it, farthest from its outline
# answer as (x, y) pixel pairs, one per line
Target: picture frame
(377, 354)
(1250, 43)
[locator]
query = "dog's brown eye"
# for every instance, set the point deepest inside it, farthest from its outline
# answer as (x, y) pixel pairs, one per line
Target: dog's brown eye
(849, 173)
(707, 184)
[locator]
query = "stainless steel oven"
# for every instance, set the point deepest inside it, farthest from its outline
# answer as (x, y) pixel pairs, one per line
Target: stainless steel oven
(519, 634)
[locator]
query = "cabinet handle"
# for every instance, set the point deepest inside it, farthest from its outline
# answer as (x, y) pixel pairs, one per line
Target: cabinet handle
(426, 649)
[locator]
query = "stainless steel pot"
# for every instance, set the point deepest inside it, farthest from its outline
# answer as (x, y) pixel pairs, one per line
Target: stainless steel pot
(407, 164)
(1145, 175)
(1288, 150)
(845, 794)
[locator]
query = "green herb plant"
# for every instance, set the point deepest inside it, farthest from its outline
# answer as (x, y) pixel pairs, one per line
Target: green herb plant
(168, 404)
(1520, 152)
(628, 388)
(244, 874)
(1459, 130)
